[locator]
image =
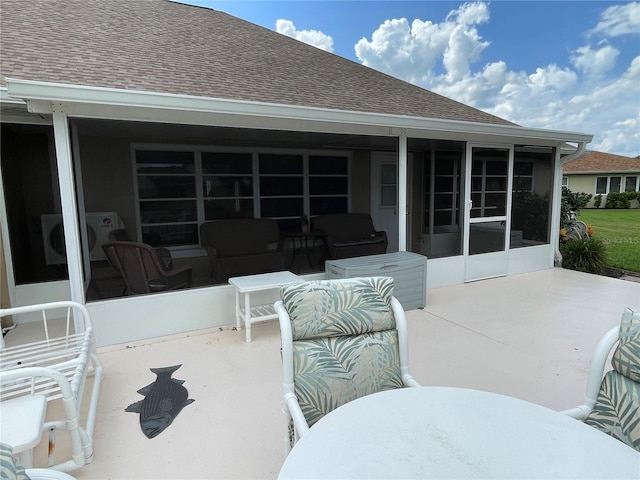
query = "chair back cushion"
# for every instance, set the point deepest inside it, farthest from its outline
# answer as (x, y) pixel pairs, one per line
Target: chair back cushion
(626, 358)
(617, 408)
(345, 342)
(331, 308)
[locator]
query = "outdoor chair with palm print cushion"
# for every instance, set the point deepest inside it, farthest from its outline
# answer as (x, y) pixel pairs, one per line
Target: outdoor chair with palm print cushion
(341, 340)
(612, 403)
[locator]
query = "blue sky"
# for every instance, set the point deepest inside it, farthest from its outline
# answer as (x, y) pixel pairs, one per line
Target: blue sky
(571, 65)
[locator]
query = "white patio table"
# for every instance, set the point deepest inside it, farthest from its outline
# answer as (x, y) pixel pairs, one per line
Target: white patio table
(455, 433)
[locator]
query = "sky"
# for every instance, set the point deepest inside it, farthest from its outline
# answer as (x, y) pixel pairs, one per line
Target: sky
(561, 65)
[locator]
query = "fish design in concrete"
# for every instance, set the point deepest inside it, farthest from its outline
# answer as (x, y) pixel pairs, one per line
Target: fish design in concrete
(163, 400)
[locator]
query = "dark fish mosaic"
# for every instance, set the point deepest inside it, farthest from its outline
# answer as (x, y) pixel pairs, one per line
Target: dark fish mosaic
(163, 400)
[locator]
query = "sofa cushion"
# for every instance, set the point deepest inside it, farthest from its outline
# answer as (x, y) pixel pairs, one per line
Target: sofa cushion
(345, 226)
(240, 236)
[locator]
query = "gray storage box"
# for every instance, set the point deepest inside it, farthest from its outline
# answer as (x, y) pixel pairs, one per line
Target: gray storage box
(408, 270)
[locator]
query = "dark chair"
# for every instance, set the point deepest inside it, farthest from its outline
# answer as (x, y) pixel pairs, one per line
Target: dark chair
(350, 235)
(141, 269)
(244, 246)
(121, 235)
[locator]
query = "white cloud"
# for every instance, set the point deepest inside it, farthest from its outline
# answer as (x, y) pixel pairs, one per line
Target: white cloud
(595, 62)
(581, 96)
(314, 38)
(619, 20)
(411, 52)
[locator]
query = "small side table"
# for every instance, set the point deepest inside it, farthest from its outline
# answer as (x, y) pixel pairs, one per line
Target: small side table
(303, 244)
(249, 284)
(21, 424)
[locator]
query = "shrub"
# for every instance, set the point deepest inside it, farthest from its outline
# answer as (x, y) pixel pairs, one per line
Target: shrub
(621, 200)
(584, 255)
(597, 200)
(618, 200)
(571, 204)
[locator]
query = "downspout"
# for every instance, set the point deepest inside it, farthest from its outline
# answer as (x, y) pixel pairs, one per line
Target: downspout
(557, 189)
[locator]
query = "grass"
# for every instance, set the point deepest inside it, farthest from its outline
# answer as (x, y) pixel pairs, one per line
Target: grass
(620, 231)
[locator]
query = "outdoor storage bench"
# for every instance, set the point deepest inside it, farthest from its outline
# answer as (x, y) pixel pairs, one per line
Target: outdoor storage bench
(245, 246)
(350, 235)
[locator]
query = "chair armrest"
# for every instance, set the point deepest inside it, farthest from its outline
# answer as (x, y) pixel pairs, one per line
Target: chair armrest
(164, 255)
(299, 422)
(596, 372)
(579, 413)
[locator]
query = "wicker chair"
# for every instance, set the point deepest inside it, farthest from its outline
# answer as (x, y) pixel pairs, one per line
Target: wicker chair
(142, 270)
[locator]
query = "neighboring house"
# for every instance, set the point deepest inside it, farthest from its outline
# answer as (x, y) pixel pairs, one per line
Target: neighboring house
(171, 115)
(599, 173)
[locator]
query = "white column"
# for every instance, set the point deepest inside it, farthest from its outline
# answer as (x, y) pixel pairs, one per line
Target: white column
(403, 161)
(556, 206)
(68, 201)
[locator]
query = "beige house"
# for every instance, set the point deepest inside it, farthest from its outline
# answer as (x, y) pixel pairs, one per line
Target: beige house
(599, 173)
(164, 116)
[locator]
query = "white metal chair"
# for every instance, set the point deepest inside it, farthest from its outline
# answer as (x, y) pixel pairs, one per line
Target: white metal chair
(11, 468)
(612, 399)
(341, 340)
(52, 368)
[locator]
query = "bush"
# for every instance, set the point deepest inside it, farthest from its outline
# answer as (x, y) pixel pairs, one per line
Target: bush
(571, 204)
(584, 255)
(621, 200)
(597, 200)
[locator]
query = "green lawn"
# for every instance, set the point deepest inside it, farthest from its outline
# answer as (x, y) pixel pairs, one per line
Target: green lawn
(620, 229)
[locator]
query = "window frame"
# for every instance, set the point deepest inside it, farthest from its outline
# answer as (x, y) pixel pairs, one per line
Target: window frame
(608, 184)
(186, 250)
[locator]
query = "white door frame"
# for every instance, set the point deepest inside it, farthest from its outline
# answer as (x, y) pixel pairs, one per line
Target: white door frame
(385, 217)
(492, 264)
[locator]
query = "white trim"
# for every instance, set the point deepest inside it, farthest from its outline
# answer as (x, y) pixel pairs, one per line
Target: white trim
(138, 104)
(69, 204)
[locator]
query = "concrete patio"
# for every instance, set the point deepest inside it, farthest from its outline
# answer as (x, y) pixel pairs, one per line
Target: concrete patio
(530, 336)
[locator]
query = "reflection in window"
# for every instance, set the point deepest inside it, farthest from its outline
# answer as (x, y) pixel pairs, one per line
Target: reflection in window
(489, 182)
(486, 237)
(442, 200)
(614, 184)
(530, 201)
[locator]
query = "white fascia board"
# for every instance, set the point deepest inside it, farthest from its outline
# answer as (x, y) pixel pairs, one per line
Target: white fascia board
(82, 100)
(605, 172)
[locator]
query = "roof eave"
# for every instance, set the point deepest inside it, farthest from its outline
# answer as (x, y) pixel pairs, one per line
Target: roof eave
(98, 102)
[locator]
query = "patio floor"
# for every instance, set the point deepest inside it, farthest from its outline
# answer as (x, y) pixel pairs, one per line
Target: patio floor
(530, 336)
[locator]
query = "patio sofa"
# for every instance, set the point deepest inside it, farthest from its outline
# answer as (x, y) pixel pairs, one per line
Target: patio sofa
(349, 235)
(244, 246)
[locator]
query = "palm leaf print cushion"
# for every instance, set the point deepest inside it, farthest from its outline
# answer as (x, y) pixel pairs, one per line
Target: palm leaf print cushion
(617, 409)
(345, 342)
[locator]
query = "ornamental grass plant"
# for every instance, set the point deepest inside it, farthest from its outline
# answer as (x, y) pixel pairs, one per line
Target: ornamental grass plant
(584, 255)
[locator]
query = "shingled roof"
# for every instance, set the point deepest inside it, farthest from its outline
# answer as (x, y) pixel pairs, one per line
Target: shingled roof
(166, 47)
(599, 162)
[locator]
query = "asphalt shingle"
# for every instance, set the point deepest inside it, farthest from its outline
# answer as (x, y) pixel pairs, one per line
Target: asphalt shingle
(167, 47)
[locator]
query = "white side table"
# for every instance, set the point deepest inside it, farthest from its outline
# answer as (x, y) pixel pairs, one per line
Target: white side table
(21, 423)
(249, 284)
